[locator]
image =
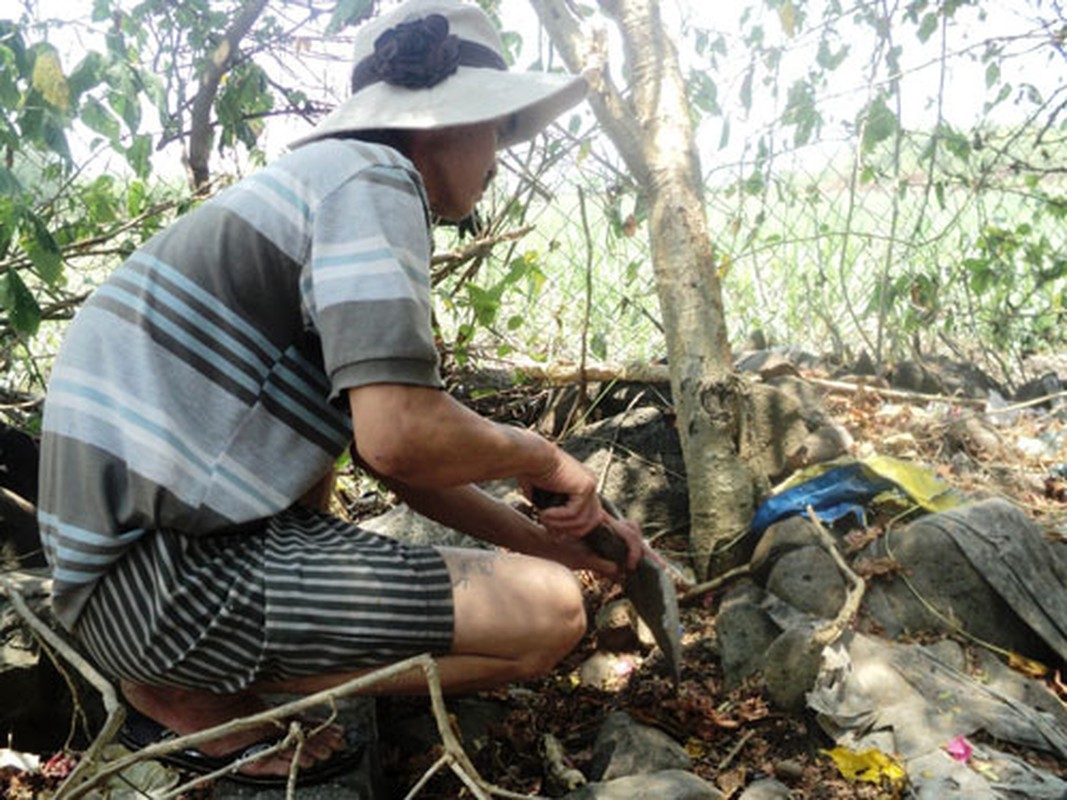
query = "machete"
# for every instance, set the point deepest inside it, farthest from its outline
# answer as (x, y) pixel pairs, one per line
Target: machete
(649, 588)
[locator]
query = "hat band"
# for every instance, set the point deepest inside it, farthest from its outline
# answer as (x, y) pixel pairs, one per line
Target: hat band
(470, 54)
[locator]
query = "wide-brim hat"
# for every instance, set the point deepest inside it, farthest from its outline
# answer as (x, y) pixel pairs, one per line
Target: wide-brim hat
(477, 89)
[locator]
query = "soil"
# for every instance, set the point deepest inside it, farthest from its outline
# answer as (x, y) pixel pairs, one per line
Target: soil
(737, 737)
(733, 737)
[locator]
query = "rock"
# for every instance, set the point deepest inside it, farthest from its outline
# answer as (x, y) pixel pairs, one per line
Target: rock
(666, 785)
(640, 456)
(780, 538)
(606, 670)
(415, 731)
(808, 579)
(619, 629)
(944, 590)
(625, 748)
(976, 435)
(744, 632)
(406, 525)
(789, 770)
(914, 376)
(778, 427)
(766, 789)
(827, 442)
(792, 665)
(1044, 386)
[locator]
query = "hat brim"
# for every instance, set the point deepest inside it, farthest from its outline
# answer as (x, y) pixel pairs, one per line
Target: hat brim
(525, 102)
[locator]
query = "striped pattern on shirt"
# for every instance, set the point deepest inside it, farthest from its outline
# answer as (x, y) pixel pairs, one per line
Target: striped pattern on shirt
(201, 388)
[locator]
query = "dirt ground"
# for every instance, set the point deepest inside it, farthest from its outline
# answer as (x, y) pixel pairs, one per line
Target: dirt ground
(737, 737)
(733, 737)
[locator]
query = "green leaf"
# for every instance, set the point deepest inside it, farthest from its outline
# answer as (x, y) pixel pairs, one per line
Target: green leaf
(96, 115)
(9, 183)
(348, 12)
(881, 123)
(23, 312)
(87, 74)
(101, 10)
(829, 60)
(992, 74)
(800, 111)
(704, 94)
(9, 88)
(42, 249)
(139, 154)
(928, 26)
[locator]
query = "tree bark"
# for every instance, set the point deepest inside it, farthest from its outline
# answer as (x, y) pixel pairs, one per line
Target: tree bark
(222, 59)
(654, 135)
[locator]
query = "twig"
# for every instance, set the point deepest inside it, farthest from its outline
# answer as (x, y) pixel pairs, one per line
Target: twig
(718, 581)
(729, 757)
(18, 501)
(295, 735)
(567, 776)
(829, 632)
(116, 713)
(893, 394)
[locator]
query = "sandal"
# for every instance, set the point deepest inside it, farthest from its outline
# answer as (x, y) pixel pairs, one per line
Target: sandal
(140, 731)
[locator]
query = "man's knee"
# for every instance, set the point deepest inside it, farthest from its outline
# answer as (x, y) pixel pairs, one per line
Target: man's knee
(563, 625)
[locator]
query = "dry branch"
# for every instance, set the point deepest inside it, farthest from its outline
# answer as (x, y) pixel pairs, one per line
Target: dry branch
(84, 778)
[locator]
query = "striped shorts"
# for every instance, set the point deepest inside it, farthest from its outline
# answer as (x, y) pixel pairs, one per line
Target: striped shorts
(309, 594)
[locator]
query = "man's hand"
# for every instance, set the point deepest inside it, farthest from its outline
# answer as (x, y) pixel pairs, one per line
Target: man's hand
(626, 531)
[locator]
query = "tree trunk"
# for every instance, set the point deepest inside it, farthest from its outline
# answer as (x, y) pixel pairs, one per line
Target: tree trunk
(654, 135)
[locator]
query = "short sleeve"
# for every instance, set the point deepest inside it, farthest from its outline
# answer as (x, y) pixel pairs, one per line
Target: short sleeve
(367, 284)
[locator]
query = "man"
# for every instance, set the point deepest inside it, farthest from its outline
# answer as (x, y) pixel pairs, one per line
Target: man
(215, 378)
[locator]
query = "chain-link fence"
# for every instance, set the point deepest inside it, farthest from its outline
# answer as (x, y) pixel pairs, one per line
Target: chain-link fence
(853, 218)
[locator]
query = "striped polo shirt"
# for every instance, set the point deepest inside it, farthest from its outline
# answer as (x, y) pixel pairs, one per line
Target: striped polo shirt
(201, 388)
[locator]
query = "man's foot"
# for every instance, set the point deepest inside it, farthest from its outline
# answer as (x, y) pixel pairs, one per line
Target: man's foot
(186, 711)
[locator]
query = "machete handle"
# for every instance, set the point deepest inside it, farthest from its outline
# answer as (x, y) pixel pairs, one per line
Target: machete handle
(602, 540)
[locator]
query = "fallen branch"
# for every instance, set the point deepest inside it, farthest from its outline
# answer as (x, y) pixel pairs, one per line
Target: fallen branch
(116, 712)
(701, 589)
(79, 783)
(555, 762)
(831, 631)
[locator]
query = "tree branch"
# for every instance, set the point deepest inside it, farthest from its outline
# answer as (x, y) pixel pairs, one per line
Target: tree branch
(200, 137)
(586, 55)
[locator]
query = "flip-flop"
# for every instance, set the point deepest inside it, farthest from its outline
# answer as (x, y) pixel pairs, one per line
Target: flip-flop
(140, 731)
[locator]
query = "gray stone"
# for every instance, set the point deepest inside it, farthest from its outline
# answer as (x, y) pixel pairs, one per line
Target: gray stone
(605, 670)
(639, 455)
(944, 591)
(744, 631)
(666, 785)
(624, 747)
(792, 665)
(780, 538)
(808, 579)
(619, 629)
(766, 789)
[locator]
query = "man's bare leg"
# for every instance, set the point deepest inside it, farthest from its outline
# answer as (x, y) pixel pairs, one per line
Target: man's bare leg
(516, 617)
